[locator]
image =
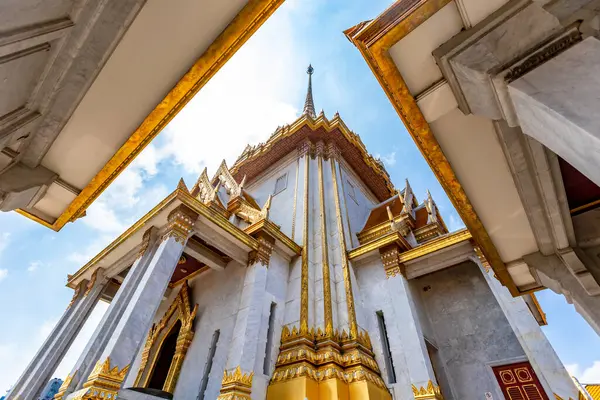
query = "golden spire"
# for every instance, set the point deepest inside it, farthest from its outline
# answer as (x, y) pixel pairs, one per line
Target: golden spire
(309, 105)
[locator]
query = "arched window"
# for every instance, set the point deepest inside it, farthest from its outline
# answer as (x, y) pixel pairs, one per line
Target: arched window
(167, 344)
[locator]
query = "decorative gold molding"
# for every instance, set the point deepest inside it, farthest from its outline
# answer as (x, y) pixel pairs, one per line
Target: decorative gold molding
(295, 198)
(266, 243)
(91, 283)
(180, 310)
(236, 385)
(103, 383)
(390, 258)
(426, 248)
(390, 238)
(304, 271)
(327, 306)
(274, 231)
(239, 30)
(353, 325)
(176, 197)
(431, 392)
(374, 40)
(180, 223)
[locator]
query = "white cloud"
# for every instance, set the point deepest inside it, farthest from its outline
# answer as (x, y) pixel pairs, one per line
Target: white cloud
(388, 159)
(34, 266)
(224, 117)
(86, 253)
(587, 375)
(454, 223)
(3, 275)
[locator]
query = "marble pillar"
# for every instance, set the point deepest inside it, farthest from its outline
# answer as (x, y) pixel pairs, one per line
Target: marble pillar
(125, 340)
(242, 355)
(407, 342)
(545, 362)
(45, 362)
(553, 274)
(97, 343)
(557, 104)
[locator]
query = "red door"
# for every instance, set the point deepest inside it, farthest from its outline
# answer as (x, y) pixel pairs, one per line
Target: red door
(519, 382)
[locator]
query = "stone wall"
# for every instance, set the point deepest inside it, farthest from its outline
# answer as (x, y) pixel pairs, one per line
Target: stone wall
(470, 329)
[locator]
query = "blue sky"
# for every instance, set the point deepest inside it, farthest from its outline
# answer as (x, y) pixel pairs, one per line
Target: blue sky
(262, 87)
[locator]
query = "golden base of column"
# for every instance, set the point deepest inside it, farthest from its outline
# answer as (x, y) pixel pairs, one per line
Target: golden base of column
(103, 383)
(236, 385)
(320, 366)
(431, 392)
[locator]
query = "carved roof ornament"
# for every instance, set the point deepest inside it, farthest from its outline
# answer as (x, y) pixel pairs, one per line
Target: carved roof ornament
(431, 209)
(203, 186)
(408, 199)
(309, 105)
(182, 186)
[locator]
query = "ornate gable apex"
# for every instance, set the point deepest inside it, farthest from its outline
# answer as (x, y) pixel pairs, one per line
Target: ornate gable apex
(224, 175)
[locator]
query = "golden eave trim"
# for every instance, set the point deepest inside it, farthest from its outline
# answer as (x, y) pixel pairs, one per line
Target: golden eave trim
(186, 199)
(427, 248)
(239, 30)
(375, 50)
(274, 231)
(539, 309)
(378, 243)
(328, 125)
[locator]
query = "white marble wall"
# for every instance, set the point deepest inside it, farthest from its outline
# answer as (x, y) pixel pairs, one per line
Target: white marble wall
(282, 204)
(359, 206)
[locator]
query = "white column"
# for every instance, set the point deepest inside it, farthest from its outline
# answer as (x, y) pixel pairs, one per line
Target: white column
(557, 103)
(41, 368)
(545, 362)
(246, 332)
(407, 343)
(113, 364)
(107, 325)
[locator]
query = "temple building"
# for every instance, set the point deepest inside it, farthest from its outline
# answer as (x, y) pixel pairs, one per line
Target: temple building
(300, 272)
(501, 98)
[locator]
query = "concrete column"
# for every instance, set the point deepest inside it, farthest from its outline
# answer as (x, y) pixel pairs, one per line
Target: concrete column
(553, 274)
(45, 362)
(557, 104)
(407, 343)
(104, 330)
(125, 340)
(545, 362)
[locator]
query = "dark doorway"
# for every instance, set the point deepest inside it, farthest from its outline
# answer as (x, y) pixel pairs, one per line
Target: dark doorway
(165, 357)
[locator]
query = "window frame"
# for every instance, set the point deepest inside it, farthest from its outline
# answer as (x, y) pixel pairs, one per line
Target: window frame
(283, 176)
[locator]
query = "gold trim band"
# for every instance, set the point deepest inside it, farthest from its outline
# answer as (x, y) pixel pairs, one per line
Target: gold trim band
(327, 308)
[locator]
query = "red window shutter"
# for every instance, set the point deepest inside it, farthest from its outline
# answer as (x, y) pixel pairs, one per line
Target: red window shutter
(519, 382)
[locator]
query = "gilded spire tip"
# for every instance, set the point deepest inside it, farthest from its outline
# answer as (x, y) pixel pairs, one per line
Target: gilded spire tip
(309, 105)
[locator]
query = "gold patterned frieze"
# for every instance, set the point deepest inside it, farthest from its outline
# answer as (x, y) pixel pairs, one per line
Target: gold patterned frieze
(180, 223)
(266, 244)
(429, 392)
(236, 385)
(390, 258)
(103, 383)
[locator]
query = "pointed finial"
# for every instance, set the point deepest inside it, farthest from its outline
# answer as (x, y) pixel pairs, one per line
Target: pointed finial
(389, 213)
(309, 105)
(182, 186)
(336, 115)
(242, 182)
